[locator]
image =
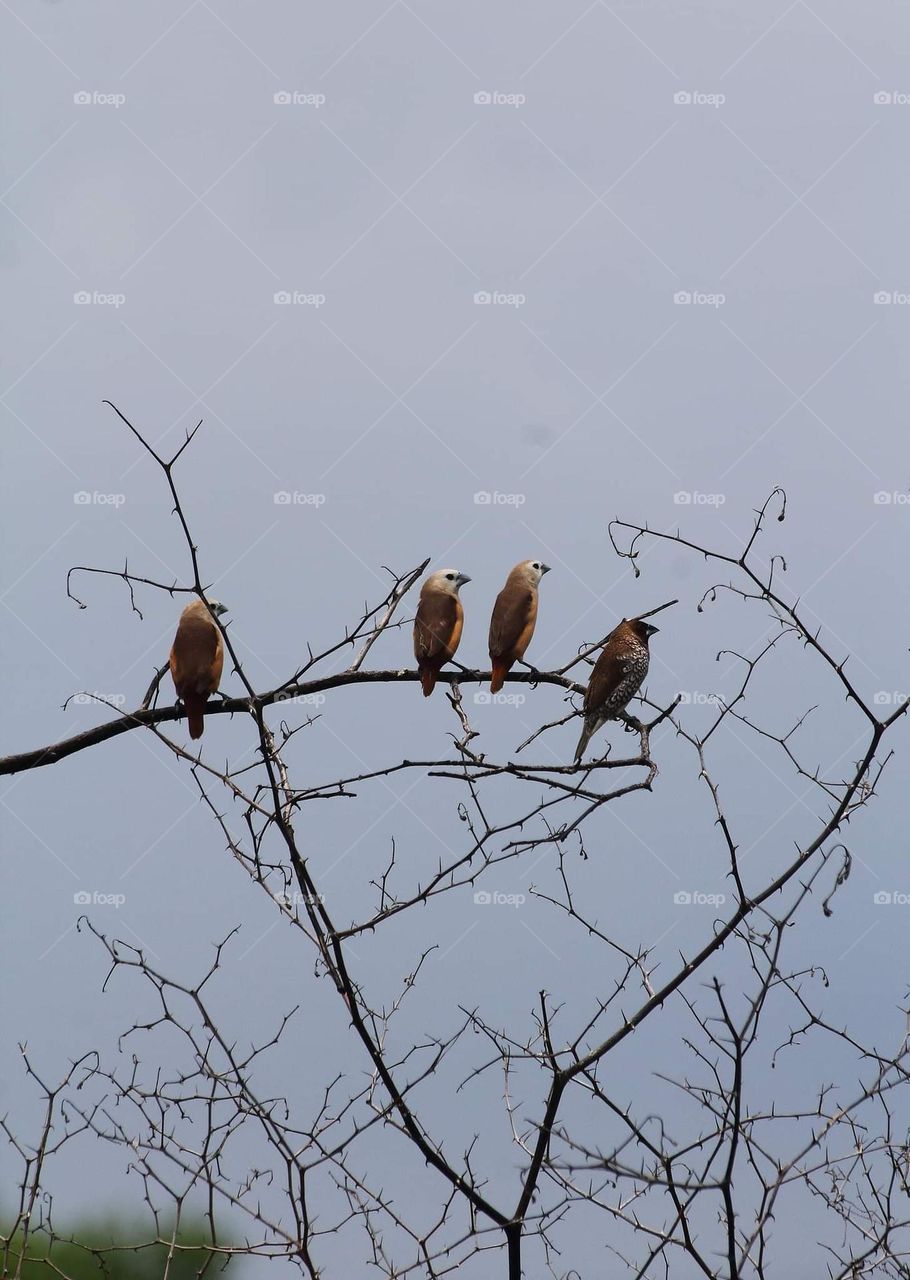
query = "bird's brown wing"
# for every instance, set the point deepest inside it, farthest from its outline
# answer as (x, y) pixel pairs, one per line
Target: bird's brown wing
(609, 671)
(218, 663)
(513, 621)
(437, 626)
(197, 657)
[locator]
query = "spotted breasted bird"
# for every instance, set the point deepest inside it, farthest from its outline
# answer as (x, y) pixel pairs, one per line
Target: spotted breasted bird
(514, 619)
(617, 676)
(438, 624)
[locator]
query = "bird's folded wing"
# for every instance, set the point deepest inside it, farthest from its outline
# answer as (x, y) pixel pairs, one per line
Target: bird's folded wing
(514, 616)
(609, 672)
(197, 656)
(437, 627)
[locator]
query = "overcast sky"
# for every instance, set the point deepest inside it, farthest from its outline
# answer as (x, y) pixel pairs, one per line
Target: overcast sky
(584, 260)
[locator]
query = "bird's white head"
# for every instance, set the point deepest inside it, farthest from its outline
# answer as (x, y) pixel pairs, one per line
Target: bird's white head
(216, 606)
(532, 570)
(448, 580)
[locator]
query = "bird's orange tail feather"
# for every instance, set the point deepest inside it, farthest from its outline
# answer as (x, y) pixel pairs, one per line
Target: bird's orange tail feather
(427, 680)
(195, 715)
(500, 671)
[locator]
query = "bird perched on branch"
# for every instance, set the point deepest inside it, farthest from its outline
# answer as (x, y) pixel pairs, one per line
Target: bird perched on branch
(197, 657)
(514, 618)
(438, 624)
(617, 676)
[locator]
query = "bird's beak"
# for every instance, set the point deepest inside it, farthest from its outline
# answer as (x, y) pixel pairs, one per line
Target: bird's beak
(652, 629)
(544, 568)
(462, 579)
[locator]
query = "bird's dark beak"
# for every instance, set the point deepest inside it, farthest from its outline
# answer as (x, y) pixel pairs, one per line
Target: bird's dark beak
(652, 630)
(544, 568)
(462, 579)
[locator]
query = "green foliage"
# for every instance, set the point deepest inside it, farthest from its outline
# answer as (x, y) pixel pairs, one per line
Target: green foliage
(99, 1251)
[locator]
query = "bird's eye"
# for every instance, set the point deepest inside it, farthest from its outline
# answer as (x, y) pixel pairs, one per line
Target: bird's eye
(536, 565)
(450, 576)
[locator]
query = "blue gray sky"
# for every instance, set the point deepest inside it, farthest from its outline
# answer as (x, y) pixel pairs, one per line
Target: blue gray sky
(460, 282)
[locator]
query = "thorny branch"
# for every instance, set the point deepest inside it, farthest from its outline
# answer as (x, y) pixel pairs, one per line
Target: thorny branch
(707, 1187)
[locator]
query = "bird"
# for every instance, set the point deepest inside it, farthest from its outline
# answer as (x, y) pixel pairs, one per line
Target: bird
(617, 676)
(197, 658)
(514, 618)
(438, 624)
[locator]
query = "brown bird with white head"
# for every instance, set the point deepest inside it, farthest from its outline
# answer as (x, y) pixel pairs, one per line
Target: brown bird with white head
(514, 619)
(197, 658)
(438, 624)
(617, 676)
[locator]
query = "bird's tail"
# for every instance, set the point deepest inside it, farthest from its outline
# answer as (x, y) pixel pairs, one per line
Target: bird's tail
(587, 733)
(427, 680)
(195, 713)
(500, 671)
